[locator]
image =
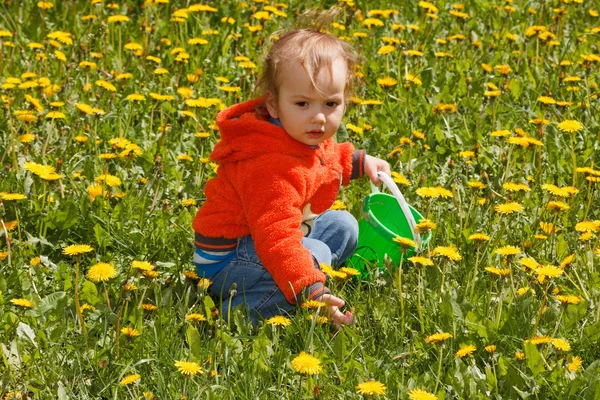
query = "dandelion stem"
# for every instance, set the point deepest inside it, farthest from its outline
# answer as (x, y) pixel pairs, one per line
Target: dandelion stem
(419, 289)
(400, 294)
(439, 370)
(77, 306)
(106, 294)
(472, 293)
(541, 311)
(499, 310)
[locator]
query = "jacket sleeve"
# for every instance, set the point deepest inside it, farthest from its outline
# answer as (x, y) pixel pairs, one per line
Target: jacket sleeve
(351, 160)
(271, 196)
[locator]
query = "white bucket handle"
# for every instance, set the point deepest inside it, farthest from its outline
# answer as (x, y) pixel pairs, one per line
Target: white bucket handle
(391, 185)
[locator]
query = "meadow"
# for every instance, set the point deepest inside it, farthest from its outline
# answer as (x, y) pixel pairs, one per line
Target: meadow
(487, 112)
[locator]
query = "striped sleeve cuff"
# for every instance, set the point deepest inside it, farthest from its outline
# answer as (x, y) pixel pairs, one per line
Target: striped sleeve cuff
(315, 291)
(358, 164)
(215, 244)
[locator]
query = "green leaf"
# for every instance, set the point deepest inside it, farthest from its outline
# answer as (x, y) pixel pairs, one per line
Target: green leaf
(102, 237)
(574, 313)
(194, 341)
(65, 216)
(89, 293)
(51, 302)
(24, 331)
(534, 359)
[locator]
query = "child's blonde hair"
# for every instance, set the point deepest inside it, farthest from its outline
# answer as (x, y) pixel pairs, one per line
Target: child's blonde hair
(313, 48)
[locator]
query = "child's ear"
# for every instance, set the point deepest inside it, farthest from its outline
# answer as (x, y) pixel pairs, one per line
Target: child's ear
(271, 104)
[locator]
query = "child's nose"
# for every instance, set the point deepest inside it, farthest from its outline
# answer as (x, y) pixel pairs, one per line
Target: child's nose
(319, 118)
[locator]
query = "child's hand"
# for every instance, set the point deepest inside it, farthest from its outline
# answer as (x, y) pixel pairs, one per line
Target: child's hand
(373, 165)
(334, 304)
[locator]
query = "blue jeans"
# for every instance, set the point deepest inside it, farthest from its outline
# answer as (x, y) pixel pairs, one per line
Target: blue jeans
(332, 240)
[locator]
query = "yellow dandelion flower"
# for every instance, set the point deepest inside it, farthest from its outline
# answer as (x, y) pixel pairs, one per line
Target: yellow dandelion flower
(424, 261)
(101, 272)
(561, 344)
(371, 388)
(130, 332)
(570, 126)
(558, 206)
(142, 265)
(188, 368)
(204, 284)
(306, 364)
(509, 208)
(448, 252)
(129, 379)
(569, 299)
(76, 249)
(508, 250)
(22, 303)
(491, 348)
(467, 350)
(420, 394)
(438, 337)
(575, 364)
(349, 271)
(519, 355)
(313, 304)
(405, 242)
(279, 320)
(479, 237)
(497, 271)
(387, 81)
(549, 271)
(195, 317)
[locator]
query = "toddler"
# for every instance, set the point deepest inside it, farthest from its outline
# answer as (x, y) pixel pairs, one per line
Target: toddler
(266, 223)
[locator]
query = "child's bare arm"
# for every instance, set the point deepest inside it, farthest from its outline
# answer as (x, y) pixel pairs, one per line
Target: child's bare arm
(373, 165)
(334, 313)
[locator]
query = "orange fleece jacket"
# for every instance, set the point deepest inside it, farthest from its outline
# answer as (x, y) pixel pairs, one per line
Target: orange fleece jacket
(264, 180)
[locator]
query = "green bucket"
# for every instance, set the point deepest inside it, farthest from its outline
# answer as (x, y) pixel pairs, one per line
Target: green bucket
(383, 220)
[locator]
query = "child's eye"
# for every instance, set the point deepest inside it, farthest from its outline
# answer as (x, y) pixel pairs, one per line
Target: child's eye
(301, 103)
(332, 103)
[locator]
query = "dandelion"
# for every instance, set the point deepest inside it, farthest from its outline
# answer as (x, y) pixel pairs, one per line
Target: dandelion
(313, 304)
(387, 81)
(425, 225)
(570, 126)
(549, 271)
(467, 350)
(371, 388)
(509, 208)
(195, 317)
(438, 337)
(22, 303)
(575, 364)
(130, 332)
(142, 265)
(497, 271)
(306, 364)
(420, 394)
(424, 261)
(561, 344)
(101, 272)
(508, 251)
(149, 307)
(279, 320)
(479, 237)
(204, 284)
(76, 249)
(519, 355)
(188, 368)
(491, 348)
(129, 379)
(405, 242)
(449, 252)
(569, 299)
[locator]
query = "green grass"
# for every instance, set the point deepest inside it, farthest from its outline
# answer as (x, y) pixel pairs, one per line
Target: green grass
(47, 354)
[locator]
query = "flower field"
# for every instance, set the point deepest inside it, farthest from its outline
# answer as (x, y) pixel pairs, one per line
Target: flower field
(487, 112)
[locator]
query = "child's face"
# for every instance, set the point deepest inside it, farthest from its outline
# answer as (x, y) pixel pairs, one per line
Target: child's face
(308, 115)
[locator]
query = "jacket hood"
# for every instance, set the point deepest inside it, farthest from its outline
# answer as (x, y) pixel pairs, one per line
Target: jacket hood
(244, 135)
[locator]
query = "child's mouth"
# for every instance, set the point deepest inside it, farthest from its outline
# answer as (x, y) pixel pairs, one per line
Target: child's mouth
(316, 133)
